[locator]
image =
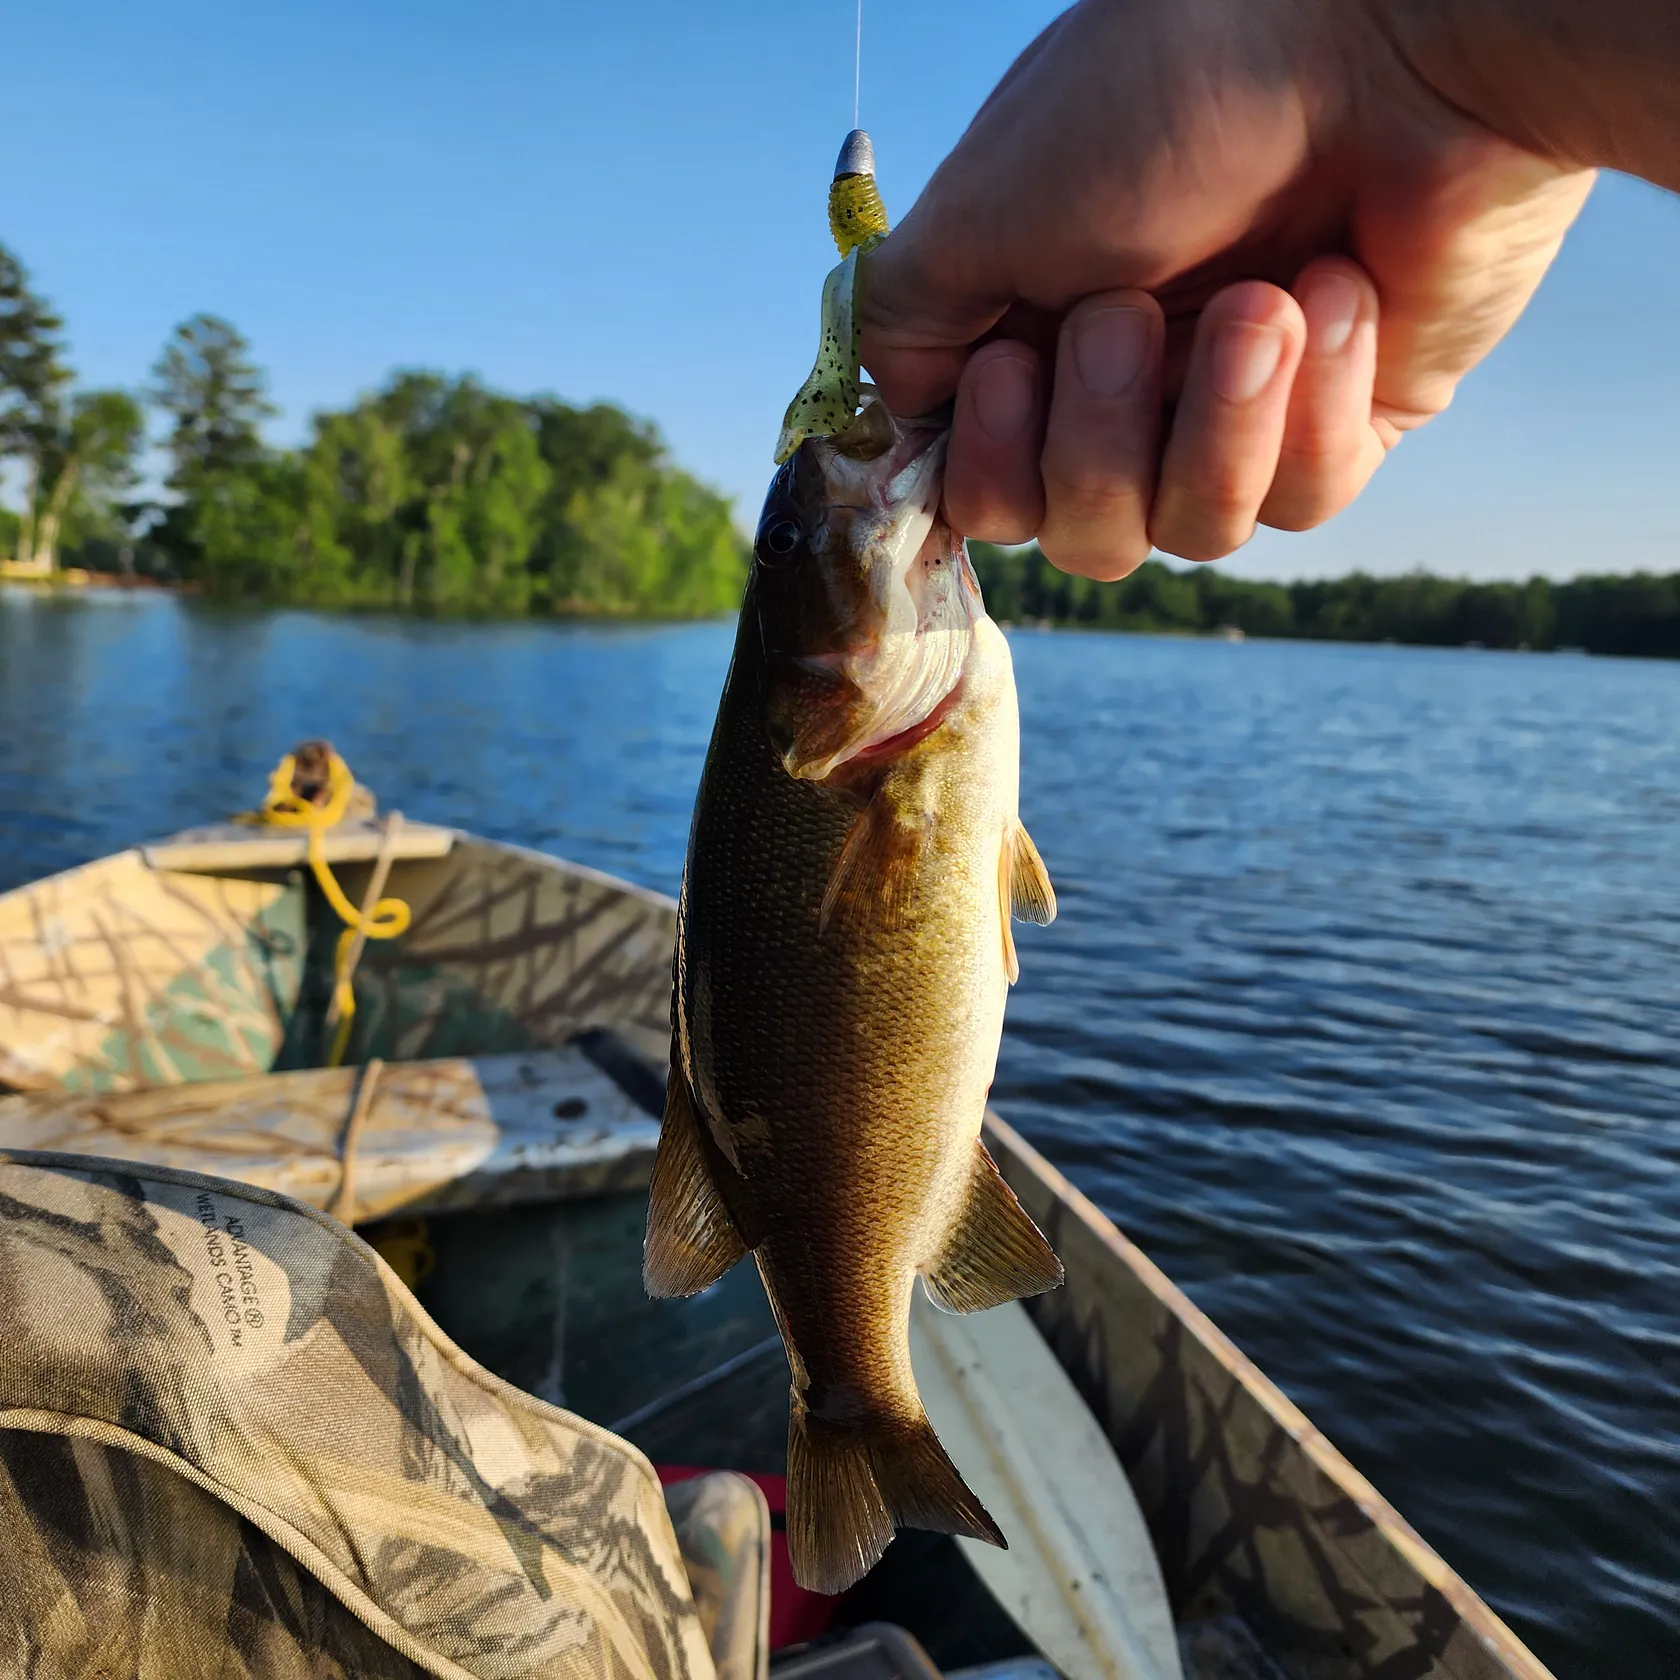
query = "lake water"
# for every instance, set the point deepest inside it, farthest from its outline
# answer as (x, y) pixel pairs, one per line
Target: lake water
(1361, 1015)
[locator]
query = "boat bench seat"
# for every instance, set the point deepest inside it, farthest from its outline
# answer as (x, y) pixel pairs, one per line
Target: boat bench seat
(454, 1132)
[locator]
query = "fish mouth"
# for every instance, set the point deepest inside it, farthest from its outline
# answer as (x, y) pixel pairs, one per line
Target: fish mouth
(890, 467)
(902, 664)
(917, 464)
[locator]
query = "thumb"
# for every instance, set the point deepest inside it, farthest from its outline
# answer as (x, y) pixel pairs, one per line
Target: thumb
(917, 323)
(940, 282)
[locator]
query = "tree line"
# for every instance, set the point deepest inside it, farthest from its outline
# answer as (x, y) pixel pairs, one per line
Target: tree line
(433, 493)
(1635, 614)
(437, 494)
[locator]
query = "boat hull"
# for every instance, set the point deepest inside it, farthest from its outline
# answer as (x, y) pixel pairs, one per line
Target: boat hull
(124, 978)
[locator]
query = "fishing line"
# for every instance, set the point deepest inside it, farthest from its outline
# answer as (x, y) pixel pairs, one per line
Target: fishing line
(857, 67)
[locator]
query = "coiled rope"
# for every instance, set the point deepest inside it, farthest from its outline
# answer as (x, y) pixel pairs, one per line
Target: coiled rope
(384, 918)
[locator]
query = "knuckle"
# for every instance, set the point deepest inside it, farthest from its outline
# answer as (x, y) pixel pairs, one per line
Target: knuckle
(1303, 495)
(1315, 441)
(1097, 531)
(990, 511)
(1005, 528)
(1219, 507)
(1200, 551)
(1195, 531)
(1318, 475)
(1107, 561)
(1084, 499)
(1285, 514)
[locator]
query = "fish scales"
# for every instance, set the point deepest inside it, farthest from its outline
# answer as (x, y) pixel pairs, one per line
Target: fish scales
(842, 963)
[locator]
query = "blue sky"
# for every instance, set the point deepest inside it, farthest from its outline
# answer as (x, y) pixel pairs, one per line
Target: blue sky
(626, 202)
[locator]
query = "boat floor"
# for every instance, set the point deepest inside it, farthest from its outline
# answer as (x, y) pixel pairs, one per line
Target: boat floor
(551, 1298)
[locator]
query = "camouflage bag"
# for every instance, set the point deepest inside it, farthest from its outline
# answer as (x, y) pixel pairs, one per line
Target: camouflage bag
(232, 1445)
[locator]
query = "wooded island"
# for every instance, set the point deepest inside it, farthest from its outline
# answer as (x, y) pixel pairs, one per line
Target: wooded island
(432, 494)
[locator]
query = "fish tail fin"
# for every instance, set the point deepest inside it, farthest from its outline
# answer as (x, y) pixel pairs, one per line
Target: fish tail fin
(925, 1489)
(851, 1485)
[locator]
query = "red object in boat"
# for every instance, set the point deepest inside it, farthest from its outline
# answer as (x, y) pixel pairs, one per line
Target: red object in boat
(795, 1614)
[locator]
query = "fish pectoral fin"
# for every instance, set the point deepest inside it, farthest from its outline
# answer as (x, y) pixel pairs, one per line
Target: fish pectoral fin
(994, 1252)
(875, 865)
(1031, 897)
(851, 1484)
(691, 1240)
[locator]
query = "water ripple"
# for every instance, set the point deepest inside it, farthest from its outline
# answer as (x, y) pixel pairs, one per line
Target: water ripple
(1360, 1014)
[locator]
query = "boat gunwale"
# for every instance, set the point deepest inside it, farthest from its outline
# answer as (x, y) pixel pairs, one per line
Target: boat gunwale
(1471, 1609)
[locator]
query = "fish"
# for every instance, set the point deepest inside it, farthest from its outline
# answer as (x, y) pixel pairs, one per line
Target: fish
(844, 951)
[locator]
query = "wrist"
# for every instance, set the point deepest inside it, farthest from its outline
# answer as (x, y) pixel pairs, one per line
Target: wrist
(1590, 85)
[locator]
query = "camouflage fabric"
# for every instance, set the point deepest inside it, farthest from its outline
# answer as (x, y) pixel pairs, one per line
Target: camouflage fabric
(163, 1328)
(723, 1528)
(113, 1565)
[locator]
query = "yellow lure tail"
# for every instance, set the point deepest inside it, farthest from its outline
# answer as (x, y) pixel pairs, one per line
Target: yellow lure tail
(828, 400)
(856, 216)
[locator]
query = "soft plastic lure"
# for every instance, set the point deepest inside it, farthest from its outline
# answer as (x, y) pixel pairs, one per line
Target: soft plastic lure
(828, 400)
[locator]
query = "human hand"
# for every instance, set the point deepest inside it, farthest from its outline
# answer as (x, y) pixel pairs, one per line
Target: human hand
(1199, 264)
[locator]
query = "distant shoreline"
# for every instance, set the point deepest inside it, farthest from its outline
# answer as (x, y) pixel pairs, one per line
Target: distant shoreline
(1632, 616)
(1635, 615)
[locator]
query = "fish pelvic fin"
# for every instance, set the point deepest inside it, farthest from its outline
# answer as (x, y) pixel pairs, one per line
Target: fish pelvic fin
(993, 1253)
(1031, 897)
(1024, 890)
(851, 1485)
(691, 1241)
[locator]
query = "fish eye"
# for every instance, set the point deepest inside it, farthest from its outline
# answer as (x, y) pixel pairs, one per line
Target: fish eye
(780, 539)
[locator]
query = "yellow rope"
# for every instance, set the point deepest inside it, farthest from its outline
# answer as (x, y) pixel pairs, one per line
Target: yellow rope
(281, 808)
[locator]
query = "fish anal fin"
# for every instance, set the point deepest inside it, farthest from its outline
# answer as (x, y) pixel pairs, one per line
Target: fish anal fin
(850, 1485)
(873, 871)
(1031, 897)
(691, 1241)
(993, 1253)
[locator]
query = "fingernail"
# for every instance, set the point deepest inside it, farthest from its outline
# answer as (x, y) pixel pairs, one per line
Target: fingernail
(1110, 347)
(1245, 356)
(1005, 392)
(1332, 311)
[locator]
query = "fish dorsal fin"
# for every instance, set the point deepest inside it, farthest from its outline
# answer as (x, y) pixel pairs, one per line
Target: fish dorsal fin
(691, 1241)
(1031, 897)
(993, 1252)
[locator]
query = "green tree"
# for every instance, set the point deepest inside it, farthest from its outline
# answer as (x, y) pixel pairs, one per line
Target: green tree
(86, 465)
(435, 494)
(250, 529)
(214, 396)
(33, 381)
(359, 483)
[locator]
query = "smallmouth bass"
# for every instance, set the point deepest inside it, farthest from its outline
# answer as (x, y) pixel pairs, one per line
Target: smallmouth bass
(843, 956)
